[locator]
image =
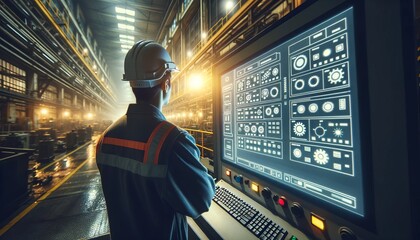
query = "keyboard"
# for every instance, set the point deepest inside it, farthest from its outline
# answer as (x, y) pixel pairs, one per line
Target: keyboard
(261, 226)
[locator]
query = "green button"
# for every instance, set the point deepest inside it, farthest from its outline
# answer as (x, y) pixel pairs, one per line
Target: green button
(293, 237)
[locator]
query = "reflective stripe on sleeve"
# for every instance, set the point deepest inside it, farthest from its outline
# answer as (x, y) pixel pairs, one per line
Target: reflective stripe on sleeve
(124, 143)
(157, 137)
(130, 165)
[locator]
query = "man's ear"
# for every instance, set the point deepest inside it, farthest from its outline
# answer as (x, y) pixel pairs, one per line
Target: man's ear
(166, 85)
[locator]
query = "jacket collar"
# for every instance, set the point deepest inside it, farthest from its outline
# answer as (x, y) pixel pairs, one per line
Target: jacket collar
(147, 109)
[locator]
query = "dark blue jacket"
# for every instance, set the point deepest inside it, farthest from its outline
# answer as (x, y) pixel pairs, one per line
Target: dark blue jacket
(151, 176)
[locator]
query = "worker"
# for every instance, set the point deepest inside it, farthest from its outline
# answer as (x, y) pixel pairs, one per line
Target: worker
(151, 173)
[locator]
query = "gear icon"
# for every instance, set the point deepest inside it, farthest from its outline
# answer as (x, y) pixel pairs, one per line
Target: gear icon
(321, 156)
(299, 129)
(336, 75)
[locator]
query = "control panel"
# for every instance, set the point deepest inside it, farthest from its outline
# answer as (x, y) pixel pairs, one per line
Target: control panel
(291, 114)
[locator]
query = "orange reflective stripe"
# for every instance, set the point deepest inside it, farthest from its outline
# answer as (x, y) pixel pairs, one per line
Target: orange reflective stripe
(124, 143)
(162, 140)
(150, 140)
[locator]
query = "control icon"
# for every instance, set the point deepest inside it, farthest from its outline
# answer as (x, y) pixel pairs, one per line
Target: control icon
(301, 109)
(313, 81)
(313, 107)
(299, 84)
(297, 153)
(328, 106)
(265, 93)
(338, 132)
(300, 62)
(299, 129)
(336, 75)
(275, 71)
(320, 131)
(321, 156)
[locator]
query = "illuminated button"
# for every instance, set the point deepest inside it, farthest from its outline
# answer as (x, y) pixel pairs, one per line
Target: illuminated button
(293, 237)
(255, 187)
(318, 222)
(282, 201)
(228, 173)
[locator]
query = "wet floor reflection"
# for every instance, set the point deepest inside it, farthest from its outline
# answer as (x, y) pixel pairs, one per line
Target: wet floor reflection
(76, 210)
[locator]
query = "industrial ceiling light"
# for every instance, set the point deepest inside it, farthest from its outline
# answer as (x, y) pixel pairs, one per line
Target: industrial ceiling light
(126, 41)
(124, 18)
(125, 11)
(125, 27)
(229, 5)
(126, 37)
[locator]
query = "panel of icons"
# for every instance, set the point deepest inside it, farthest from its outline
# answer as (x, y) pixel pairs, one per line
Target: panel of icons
(291, 113)
(329, 78)
(262, 146)
(333, 159)
(329, 131)
(259, 112)
(321, 107)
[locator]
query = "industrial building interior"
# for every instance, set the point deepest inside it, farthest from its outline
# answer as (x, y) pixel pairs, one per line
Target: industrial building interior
(350, 172)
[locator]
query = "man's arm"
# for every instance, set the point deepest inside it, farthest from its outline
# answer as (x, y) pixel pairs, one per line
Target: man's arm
(188, 188)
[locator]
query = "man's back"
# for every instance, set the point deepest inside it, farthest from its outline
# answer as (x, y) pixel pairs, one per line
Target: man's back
(151, 176)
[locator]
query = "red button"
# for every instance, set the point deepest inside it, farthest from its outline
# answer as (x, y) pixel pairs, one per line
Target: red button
(282, 201)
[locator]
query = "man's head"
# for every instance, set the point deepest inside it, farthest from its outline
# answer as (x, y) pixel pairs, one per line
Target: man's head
(148, 67)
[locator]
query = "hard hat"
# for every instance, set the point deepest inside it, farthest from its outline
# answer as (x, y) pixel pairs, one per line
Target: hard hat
(146, 63)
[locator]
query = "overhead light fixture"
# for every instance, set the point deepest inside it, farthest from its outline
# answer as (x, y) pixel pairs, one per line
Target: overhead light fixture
(127, 36)
(126, 41)
(125, 46)
(125, 11)
(125, 27)
(229, 5)
(124, 18)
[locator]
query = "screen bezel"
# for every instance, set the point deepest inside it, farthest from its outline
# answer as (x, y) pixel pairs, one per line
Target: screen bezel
(261, 43)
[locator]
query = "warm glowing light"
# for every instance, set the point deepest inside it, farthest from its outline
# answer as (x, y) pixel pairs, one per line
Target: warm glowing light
(196, 81)
(89, 116)
(189, 53)
(229, 5)
(255, 187)
(200, 114)
(66, 113)
(85, 51)
(190, 114)
(203, 35)
(94, 67)
(44, 111)
(125, 11)
(318, 221)
(184, 114)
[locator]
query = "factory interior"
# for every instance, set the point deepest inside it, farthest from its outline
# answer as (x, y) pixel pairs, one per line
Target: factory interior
(306, 113)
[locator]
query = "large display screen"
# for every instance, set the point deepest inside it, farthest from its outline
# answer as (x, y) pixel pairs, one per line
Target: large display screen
(291, 114)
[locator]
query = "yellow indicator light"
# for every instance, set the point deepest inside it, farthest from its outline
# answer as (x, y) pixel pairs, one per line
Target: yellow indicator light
(255, 187)
(317, 222)
(227, 173)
